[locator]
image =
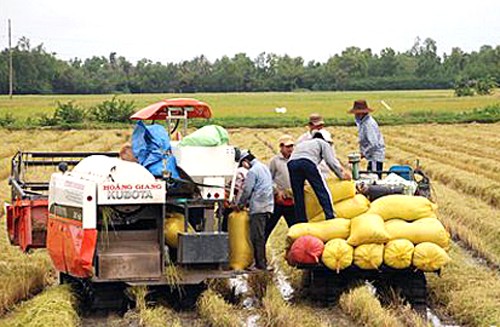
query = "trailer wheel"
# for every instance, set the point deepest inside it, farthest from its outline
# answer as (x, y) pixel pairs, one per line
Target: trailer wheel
(326, 286)
(410, 284)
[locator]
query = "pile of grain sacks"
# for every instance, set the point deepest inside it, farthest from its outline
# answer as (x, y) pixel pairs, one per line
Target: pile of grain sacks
(399, 231)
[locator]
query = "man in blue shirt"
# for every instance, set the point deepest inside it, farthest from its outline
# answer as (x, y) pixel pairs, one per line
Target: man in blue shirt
(371, 141)
(258, 194)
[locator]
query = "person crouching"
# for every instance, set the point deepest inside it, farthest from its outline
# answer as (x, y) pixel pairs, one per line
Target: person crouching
(303, 165)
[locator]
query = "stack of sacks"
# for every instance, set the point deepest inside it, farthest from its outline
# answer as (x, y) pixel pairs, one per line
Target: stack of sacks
(346, 202)
(412, 219)
(368, 236)
(398, 230)
(337, 254)
(305, 250)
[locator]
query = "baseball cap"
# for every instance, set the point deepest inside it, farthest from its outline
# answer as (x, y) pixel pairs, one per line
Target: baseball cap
(323, 134)
(286, 140)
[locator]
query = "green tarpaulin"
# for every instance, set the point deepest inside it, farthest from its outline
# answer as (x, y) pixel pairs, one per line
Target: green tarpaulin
(210, 135)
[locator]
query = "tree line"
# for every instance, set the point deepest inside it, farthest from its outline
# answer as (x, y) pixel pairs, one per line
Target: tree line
(37, 71)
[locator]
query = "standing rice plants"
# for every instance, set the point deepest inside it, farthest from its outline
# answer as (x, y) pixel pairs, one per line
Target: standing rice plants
(362, 305)
(216, 312)
(54, 307)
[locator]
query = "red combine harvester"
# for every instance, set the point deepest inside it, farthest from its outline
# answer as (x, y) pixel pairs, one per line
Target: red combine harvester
(102, 219)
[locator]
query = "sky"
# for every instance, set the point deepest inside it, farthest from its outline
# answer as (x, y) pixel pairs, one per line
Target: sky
(173, 31)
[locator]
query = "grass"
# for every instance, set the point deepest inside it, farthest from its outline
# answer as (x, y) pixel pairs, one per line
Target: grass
(257, 109)
(54, 307)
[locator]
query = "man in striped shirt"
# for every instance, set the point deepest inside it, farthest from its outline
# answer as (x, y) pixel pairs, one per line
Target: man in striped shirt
(371, 141)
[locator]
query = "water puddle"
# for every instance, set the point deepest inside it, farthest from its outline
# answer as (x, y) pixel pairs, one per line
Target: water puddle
(435, 321)
(252, 320)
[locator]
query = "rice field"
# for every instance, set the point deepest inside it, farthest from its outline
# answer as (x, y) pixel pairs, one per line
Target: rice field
(262, 105)
(462, 161)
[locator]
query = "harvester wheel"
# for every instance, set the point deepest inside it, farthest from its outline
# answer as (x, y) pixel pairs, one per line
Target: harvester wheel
(185, 297)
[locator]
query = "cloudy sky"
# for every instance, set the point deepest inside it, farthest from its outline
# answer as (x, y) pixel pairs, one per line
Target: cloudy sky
(172, 31)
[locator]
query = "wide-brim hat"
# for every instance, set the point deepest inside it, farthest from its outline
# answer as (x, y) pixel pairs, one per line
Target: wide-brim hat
(316, 119)
(360, 107)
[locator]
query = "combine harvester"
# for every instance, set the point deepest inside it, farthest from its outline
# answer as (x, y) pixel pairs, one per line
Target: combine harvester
(103, 221)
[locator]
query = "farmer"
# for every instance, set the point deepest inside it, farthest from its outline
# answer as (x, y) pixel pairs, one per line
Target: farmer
(371, 141)
(239, 182)
(283, 197)
(316, 123)
(303, 165)
(258, 193)
(126, 153)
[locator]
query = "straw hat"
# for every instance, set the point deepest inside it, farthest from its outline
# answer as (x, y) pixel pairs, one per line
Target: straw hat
(360, 107)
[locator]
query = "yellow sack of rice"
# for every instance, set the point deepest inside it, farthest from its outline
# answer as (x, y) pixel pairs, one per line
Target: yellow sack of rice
(367, 228)
(337, 254)
(428, 256)
(324, 230)
(340, 190)
(349, 208)
(174, 224)
(240, 247)
(405, 207)
(398, 253)
(369, 256)
(418, 231)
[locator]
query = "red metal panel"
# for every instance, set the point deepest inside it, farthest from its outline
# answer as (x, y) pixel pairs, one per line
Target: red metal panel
(27, 223)
(157, 111)
(70, 246)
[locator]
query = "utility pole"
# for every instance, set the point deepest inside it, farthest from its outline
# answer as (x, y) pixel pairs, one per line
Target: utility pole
(10, 64)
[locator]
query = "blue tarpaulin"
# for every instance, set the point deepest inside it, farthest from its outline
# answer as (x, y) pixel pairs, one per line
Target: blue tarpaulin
(151, 147)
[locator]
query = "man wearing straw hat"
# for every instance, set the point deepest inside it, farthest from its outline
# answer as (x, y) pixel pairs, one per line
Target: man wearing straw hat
(371, 141)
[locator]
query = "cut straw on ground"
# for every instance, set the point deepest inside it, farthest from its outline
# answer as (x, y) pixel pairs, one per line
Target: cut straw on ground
(53, 307)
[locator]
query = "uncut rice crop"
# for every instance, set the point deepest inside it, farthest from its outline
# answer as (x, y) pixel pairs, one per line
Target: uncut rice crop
(262, 104)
